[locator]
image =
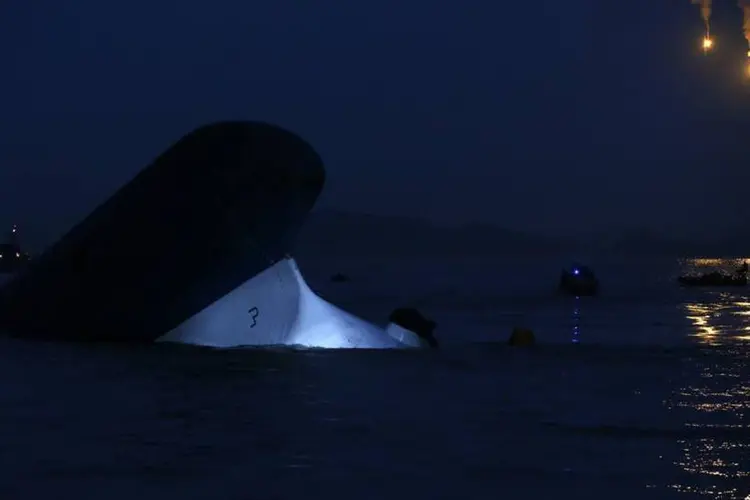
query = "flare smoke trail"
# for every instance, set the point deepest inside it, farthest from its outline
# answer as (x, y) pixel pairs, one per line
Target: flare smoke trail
(706, 15)
(745, 6)
(705, 11)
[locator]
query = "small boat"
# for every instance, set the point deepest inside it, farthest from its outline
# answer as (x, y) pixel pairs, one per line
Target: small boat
(739, 278)
(579, 281)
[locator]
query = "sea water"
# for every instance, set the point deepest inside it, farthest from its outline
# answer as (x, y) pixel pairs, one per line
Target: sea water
(643, 391)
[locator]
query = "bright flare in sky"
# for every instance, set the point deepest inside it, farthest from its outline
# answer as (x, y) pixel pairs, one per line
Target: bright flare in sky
(705, 6)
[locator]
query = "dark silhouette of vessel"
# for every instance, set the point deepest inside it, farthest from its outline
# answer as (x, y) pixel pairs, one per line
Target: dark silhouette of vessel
(716, 278)
(221, 205)
(579, 281)
(196, 249)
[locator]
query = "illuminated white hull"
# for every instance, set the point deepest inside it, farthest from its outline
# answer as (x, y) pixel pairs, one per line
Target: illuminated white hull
(277, 307)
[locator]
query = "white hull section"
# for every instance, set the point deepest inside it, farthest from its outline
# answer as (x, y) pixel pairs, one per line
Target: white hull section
(277, 307)
(404, 336)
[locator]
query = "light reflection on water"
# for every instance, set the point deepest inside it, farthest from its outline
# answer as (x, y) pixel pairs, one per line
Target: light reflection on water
(719, 318)
(710, 399)
(716, 401)
(716, 409)
(576, 321)
(654, 392)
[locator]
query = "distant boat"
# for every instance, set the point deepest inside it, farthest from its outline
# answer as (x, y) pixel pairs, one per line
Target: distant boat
(579, 281)
(739, 278)
(714, 279)
(12, 257)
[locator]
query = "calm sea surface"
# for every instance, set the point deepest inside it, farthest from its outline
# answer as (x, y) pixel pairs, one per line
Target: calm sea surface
(642, 391)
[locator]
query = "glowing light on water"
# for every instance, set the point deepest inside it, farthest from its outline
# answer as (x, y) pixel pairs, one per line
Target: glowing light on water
(714, 404)
(699, 314)
(724, 320)
(576, 321)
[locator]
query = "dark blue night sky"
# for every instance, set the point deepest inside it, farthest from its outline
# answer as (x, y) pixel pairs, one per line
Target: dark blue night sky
(545, 115)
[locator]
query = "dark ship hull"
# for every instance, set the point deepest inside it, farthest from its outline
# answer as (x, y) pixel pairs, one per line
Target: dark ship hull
(579, 281)
(712, 280)
(579, 288)
(217, 208)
